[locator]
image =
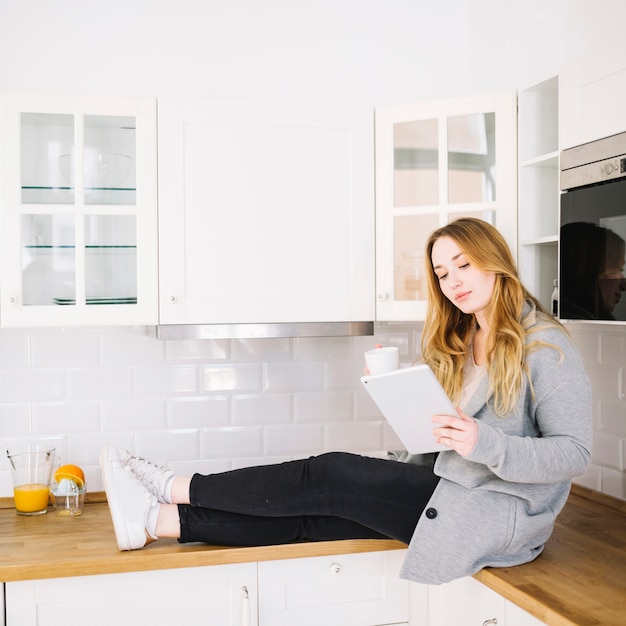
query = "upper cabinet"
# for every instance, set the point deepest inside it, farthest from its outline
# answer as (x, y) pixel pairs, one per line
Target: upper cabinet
(266, 213)
(78, 211)
(538, 210)
(593, 97)
(437, 161)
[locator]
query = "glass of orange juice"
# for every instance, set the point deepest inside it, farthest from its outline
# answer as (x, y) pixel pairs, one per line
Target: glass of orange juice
(31, 468)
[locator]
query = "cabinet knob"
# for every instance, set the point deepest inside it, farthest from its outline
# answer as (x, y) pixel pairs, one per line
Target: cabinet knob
(335, 568)
(488, 622)
(12, 299)
(382, 296)
(172, 299)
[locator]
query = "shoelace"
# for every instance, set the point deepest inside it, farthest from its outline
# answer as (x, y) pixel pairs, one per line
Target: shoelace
(151, 476)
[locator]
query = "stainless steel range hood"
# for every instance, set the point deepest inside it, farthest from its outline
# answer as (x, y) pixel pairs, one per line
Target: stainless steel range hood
(264, 331)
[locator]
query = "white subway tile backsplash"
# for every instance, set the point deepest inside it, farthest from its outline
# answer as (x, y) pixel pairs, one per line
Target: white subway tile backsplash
(131, 349)
(232, 442)
(172, 445)
(159, 380)
(343, 374)
(324, 406)
(65, 350)
(354, 437)
(15, 419)
(294, 376)
(14, 351)
(606, 382)
(612, 418)
(232, 377)
(198, 411)
(213, 405)
(99, 382)
(201, 350)
(294, 439)
(613, 482)
(253, 350)
(612, 348)
(66, 417)
(259, 409)
(322, 348)
(28, 385)
(606, 450)
(133, 414)
(587, 340)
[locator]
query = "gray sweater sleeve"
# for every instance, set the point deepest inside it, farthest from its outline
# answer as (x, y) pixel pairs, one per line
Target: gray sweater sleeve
(554, 441)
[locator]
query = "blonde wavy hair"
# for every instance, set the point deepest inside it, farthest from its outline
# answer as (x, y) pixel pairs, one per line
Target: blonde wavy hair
(448, 331)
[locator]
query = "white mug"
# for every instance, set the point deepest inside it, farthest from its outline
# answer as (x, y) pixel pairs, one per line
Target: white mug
(382, 360)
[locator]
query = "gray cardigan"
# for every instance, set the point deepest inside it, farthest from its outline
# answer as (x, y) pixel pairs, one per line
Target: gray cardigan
(497, 507)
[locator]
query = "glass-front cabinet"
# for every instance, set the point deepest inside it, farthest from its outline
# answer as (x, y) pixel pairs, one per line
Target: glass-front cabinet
(437, 161)
(78, 211)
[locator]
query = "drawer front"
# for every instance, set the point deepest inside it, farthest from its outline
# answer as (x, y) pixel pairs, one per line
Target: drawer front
(356, 589)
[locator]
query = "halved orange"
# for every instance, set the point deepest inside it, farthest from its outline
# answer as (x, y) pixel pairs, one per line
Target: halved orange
(72, 472)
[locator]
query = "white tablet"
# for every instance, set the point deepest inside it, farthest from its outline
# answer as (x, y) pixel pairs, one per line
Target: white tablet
(408, 398)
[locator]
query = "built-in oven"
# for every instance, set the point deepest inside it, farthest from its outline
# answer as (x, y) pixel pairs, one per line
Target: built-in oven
(593, 231)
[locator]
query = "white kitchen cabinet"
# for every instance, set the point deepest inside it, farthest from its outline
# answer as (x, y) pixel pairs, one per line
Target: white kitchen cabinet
(518, 617)
(437, 161)
(355, 589)
(78, 243)
(467, 602)
(206, 596)
(266, 213)
(593, 96)
(538, 210)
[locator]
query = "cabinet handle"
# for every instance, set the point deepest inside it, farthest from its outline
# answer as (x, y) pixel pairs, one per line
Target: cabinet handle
(245, 607)
(382, 296)
(335, 568)
(493, 621)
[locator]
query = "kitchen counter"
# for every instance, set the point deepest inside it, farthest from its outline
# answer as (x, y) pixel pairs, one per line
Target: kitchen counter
(580, 579)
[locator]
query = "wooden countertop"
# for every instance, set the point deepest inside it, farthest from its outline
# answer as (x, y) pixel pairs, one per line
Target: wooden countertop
(49, 546)
(580, 579)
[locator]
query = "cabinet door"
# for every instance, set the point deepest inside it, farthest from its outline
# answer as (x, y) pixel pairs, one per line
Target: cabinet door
(435, 162)
(355, 589)
(206, 596)
(465, 602)
(518, 617)
(78, 210)
(592, 97)
(265, 213)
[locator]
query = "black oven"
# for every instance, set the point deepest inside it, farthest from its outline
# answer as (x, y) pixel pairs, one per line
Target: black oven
(593, 231)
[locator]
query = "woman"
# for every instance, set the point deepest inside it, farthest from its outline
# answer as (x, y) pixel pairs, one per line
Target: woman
(524, 432)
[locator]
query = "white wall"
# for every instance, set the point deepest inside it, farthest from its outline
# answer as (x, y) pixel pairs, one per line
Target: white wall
(283, 398)
(358, 51)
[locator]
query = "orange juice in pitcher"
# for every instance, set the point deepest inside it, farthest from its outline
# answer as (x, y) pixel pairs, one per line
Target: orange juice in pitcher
(31, 469)
(31, 498)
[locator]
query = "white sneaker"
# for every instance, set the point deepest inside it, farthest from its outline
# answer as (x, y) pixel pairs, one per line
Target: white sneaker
(154, 478)
(129, 502)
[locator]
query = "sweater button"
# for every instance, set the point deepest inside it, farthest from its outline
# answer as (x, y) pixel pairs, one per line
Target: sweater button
(431, 513)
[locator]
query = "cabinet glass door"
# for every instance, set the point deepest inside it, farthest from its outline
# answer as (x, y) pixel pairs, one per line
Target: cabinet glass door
(76, 212)
(79, 162)
(436, 162)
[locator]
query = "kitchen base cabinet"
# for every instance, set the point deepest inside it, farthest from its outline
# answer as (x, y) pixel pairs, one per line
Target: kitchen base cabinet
(207, 596)
(467, 602)
(355, 589)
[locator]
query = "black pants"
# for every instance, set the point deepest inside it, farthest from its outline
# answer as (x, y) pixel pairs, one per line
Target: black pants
(327, 497)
